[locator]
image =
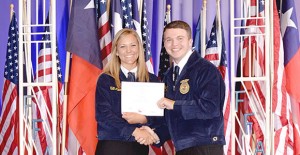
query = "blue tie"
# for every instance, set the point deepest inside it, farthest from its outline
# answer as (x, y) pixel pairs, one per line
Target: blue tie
(131, 77)
(176, 72)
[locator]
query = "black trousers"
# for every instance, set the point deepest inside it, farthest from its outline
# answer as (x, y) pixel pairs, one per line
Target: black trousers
(112, 147)
(202, 150)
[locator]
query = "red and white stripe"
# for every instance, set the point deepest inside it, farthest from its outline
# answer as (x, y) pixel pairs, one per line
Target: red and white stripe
(286, 109)
(227, 114)
(166, 149)
(279, 100)
(252, 65)
(253, 56)
(9, 119)
(105, 39)
(42, 109)
(213, 54)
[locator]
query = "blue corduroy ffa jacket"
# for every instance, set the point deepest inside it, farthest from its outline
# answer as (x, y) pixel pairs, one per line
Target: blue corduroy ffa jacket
(110, 124)
(199, 93)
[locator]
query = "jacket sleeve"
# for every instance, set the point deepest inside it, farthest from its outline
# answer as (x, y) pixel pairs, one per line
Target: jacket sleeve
(158, 123)
(106, 116)
(161, 129)
(207, 98)
(150, 119)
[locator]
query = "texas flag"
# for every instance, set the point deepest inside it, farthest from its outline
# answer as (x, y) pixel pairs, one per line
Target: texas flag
(83, 43)
(289, 31)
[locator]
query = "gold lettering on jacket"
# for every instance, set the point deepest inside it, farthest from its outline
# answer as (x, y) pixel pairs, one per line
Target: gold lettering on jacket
(114, 88)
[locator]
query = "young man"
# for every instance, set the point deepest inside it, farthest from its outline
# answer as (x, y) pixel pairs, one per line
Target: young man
(194, 96)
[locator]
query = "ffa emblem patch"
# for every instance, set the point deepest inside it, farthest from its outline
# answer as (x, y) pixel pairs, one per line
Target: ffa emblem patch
(184, 86)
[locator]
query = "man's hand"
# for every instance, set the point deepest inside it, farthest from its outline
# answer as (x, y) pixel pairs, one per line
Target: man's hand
(134, 118)
(166, 103)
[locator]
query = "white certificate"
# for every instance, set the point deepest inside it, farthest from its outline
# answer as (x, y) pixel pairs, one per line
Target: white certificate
(142, 97)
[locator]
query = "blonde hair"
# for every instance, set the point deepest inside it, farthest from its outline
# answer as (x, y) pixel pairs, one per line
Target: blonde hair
(113, 66)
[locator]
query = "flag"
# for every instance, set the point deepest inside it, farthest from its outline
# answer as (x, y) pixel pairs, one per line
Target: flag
(105, 40)
(197, 38)
(124, 14)
(116, 16)
(251, 64)
(42, 109)
(83, 42)
(164, 59)
(131, 18)
(289, 114)
(146, 38)
(279, 94)
(289, 30)
(9, 118)
(216, 54)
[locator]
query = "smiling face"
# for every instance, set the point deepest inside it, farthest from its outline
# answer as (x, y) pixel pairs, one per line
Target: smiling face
(128, 51)
(177, 43)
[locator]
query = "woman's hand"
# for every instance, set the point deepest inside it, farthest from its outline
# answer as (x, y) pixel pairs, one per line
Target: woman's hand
(134, 118)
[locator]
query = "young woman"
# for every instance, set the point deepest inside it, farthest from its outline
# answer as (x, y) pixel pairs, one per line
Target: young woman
(117, 133)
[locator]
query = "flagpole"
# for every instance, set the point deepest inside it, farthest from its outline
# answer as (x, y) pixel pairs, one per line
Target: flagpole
(140, 7)
(11, 11)
(280, 8)
(65, 102)
(168, 11)
(28, 66)
(218, 28)
(271, 73)
(203, 29)
(269, 130)
(21, 91)
(107, 7)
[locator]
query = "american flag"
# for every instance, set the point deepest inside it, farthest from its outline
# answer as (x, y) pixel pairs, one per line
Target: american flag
(216, 54)
(279, 100)
(9, 139)
(131, 18)
(42, 110)
(105, 40)
(164, 60)
(116, 16)
(252, 110)
(146, 38)
(126, 15)
(286, 81)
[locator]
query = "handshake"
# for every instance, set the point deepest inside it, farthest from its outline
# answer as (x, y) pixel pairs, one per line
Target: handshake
(145, 136)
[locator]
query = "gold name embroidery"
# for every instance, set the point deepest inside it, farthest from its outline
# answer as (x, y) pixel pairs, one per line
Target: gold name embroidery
(114, 88)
